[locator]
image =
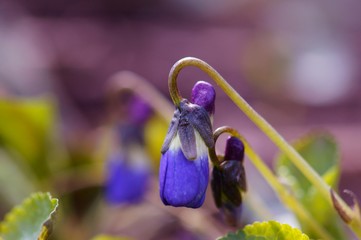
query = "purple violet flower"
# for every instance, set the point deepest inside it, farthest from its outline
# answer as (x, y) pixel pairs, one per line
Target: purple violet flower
(184, 171)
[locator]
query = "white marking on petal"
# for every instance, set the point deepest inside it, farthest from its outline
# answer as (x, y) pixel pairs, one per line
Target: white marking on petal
(175, 143)
(202, 149)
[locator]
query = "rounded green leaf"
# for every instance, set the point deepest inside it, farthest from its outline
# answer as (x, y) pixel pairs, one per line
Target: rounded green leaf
(30, 220)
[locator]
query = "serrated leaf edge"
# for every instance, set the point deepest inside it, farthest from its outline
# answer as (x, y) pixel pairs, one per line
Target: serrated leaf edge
(265, 225)
(18, 210)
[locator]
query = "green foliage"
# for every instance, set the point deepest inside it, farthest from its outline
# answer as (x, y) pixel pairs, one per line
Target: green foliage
(270, 230)
(321, 152)
(108, 237)
(25, 128)
(30, 220)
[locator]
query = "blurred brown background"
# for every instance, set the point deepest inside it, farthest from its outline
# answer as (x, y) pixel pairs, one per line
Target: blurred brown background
(297, 63)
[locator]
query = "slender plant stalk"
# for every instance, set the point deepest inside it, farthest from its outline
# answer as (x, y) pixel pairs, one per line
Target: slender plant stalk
(284, 194)
(262, 124)
(129, 81)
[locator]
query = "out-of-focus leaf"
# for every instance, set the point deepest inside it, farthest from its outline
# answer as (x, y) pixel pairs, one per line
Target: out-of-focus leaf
(270, 230)
(15, 184)
(30, 220)
(155, 131)
(25, 127)
(321, 152)
(108, 237)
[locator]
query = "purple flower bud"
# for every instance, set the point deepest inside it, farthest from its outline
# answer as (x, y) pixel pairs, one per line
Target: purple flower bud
(234, 149)
(184, 171)
(125, 183)
(204, 95)
(229, 180)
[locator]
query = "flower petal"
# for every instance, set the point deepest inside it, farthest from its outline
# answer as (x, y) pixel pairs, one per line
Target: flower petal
(171, 131)
(187, 139)
(183, 182)
(163, 176)
(199, 119)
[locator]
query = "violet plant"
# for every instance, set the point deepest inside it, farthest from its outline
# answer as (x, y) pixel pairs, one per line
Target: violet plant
(188, 148)
(228, 176)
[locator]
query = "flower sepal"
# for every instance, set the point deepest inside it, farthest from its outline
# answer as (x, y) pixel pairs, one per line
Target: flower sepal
(186, 119)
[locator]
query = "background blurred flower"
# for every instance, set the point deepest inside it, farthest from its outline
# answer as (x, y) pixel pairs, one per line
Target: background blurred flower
(126, 182)
(128, 167)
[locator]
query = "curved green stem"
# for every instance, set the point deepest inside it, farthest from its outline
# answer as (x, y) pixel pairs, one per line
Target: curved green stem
(129, 81)
(261, 123)
(285, 196)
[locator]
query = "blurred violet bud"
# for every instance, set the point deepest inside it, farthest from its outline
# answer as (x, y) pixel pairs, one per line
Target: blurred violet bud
(126, 182)
(229, 180)
(139, 111)
(184, 171)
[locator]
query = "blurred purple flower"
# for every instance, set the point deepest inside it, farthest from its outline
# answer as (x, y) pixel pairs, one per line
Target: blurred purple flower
(139, 111)
(128, 171)
(184, 172)
(125, 183)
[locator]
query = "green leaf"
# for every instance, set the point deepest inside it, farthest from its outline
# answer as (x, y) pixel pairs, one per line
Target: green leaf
(321, 152)
(26, 127)
(270, 230)
(30, 220)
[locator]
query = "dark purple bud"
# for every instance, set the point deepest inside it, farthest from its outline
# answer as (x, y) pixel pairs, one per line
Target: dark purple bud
(204, 95)
(232, 173)
(216, 185)
(234, 149)
(125, 183)
(229, 180)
